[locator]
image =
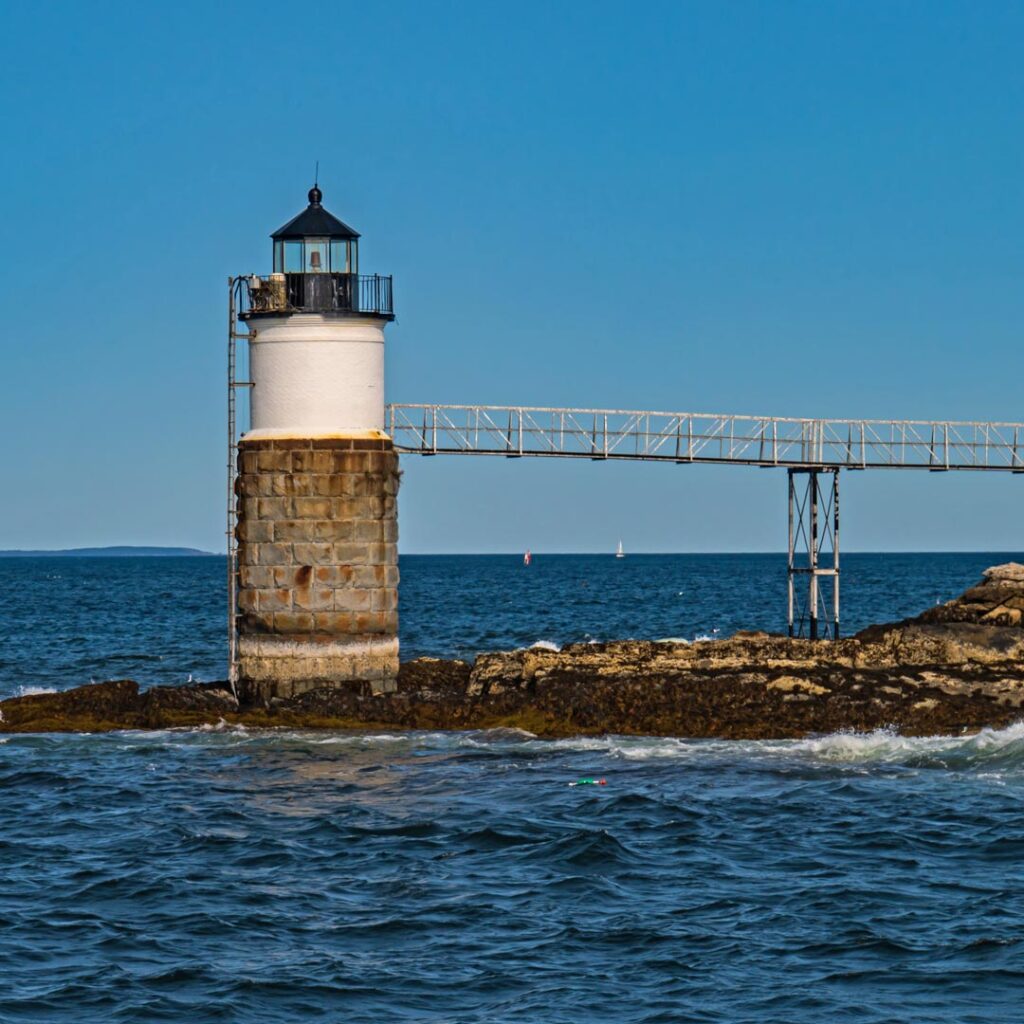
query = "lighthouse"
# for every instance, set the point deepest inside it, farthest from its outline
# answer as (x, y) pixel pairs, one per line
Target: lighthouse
(317, 484)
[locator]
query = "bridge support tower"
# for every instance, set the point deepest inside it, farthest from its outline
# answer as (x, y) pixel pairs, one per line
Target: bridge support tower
(813, 553)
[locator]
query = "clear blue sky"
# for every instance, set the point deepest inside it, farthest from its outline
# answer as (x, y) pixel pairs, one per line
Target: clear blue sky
(775, 208)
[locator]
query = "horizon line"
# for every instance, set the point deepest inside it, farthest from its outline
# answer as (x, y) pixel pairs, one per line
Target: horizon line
(203, 553)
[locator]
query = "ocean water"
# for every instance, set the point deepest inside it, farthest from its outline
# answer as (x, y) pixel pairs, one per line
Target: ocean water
(253, 876)
(66, 621)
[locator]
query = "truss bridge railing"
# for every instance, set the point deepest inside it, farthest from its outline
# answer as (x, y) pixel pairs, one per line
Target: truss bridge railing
(515, 431)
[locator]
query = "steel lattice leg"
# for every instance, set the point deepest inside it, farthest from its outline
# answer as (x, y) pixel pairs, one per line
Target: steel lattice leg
(813, 552)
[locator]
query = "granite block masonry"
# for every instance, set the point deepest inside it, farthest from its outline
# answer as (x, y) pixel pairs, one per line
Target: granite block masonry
(318, 565)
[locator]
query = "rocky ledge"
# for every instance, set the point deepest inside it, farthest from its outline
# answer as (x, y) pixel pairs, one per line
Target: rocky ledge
(956, 667)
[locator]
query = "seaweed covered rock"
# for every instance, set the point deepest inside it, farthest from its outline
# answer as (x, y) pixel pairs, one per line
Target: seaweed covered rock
(203, 700)
(94, 707)
(119, 704)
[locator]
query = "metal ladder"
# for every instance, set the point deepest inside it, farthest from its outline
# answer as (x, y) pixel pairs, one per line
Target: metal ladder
(237, 295)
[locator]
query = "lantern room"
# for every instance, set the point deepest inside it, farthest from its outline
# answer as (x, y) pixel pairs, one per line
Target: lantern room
(316, 270)
(316, 242)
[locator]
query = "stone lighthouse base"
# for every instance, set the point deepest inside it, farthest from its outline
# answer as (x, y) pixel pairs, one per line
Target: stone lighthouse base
(318, 565)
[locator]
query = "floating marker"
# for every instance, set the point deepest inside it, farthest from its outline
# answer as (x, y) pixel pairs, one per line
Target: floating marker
(589, 782)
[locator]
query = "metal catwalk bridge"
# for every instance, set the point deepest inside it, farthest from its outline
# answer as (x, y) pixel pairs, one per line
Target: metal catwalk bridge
(807, 448)
(515, 431)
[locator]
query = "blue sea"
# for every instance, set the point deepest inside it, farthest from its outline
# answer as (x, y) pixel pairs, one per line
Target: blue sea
(231, 875)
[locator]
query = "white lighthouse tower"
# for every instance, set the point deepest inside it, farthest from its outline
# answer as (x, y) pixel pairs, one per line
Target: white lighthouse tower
(318, 477)
(317, 357)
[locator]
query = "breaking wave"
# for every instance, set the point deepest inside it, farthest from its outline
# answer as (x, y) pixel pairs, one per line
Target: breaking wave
(545, 645)
(32, 691)
(996, 750)
(1002, 747)
(989, 748)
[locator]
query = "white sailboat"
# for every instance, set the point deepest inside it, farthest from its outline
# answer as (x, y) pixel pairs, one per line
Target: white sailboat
(620, 553)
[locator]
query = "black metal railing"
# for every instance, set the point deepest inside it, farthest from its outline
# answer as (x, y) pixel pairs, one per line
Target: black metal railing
(320, 293)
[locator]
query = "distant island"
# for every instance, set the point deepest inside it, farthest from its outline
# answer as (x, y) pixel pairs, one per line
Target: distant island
(121, 551)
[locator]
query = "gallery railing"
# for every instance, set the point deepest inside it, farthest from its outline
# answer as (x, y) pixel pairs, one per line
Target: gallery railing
(320, 293)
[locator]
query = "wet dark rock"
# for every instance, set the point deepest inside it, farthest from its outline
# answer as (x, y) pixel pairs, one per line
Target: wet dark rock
(119, 704)
(450, 677)
(108, 705)
(956, 667)
(204, 698)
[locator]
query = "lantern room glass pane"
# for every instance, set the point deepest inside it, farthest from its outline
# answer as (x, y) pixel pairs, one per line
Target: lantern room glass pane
(339, 257)
(316, 256)
(279, 257)
(293, 257)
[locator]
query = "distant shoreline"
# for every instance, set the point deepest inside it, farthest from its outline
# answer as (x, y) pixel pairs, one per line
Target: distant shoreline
(117, 551)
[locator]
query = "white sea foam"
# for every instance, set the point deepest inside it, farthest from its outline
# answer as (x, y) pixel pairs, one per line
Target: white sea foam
(990, 748)
(637, 748)
(998, 753)
(384, 737)
(887, 746)
(32, 691)
(492, 737)
(221, 726)
(545, 645)
(354, 739)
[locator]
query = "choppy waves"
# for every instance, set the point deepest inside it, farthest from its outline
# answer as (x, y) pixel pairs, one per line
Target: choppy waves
(988, 749)
(280, 876)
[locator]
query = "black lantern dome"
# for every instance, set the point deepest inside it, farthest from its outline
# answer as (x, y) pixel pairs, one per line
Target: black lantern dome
(316, 242)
